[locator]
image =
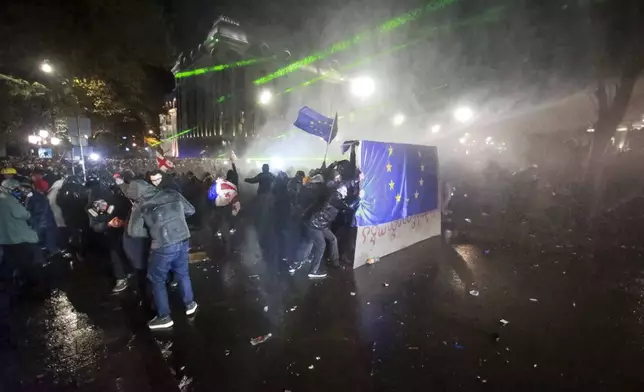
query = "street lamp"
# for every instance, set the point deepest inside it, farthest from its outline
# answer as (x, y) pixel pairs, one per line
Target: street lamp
(94, 156)
(43, 133)
(265, 97)
(55, 141)
(46, 67)
(398, 119)
(362, 87)
(463, 114)
(34, 139)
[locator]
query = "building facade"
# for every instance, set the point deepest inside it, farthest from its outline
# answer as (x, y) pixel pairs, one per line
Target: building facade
(216, 101)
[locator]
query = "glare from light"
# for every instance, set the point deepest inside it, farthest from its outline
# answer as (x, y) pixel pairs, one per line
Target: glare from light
(43, 133)
(124, 138)
(127, 148)
(462, 140)
(463, 114)
(145, 148)
(225, 162)
(46, 67)
(265, 97)
(363, 87)
(34, 139)
(133, 144)
(277, 163)
(590, 130)
(436, 128)
(150, 132)
(94, 156)
(398, 119)
(249, 160)
(622, 129)
(55, 141)
(488, 139)
(86, 136)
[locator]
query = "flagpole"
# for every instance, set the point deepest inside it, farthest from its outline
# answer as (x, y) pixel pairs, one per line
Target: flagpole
(328, 142)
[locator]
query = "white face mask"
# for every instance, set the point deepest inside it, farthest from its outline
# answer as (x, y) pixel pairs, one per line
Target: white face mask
(156, 180)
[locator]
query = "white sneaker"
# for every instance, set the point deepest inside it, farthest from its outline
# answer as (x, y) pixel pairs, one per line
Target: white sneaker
(192, 308)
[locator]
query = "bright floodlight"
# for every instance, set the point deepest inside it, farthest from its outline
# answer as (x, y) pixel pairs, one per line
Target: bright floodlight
(55, 141)
(46, 67)
(398, 119)
(150, 132)
(463, 114)
(43, 133)
(436, 128)
(94, 156)
(34, 139)
(362, 87)
(265, 97)
(277, 163)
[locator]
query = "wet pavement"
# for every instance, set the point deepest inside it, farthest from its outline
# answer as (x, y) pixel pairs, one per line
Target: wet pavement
(426, 318)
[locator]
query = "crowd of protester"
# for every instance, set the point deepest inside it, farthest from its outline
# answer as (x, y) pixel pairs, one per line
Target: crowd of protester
(145, 217)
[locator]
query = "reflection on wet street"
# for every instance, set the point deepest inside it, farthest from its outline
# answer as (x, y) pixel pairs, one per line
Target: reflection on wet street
(410, 322)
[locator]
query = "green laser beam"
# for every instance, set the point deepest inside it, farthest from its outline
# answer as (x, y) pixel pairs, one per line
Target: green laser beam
(491, 15)
(220, 67)
(172, 137)
(340, 46)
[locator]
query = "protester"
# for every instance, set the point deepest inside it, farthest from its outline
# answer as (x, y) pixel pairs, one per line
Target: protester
(17, 238)
(39, 182)
(318, 229)
(107, 212)
(163, 212)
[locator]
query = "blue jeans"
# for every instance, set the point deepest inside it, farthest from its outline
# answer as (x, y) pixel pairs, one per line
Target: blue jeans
(163, 260)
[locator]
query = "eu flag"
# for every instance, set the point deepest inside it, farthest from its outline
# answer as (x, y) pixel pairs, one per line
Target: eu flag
(317, 124)
(400, 180)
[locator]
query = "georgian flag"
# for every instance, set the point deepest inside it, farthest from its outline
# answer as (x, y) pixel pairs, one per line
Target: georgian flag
(224, 193)
(164, 163)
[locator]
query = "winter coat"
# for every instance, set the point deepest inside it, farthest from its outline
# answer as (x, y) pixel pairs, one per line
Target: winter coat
(52, 195)
(14, 227)
(163, 212)
(72, 199)
(323, 216)
(42, 217)
(116, 206)
(265, 181)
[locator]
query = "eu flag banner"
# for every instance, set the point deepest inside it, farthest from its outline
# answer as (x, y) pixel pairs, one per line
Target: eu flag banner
(317, 124)
(400, 180)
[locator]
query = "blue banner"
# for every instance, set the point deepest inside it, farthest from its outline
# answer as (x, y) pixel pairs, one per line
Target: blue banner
(400, 180)
(317, 124)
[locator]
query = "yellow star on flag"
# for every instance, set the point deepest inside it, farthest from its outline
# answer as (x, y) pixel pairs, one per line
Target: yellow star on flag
(388, 167)
(391, 185)
(391, 150)
(421, 182)
(422, 167)
(398, 198)
(416, 195)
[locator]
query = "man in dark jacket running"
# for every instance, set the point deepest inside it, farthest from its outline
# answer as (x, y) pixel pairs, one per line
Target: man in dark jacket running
(163, 212)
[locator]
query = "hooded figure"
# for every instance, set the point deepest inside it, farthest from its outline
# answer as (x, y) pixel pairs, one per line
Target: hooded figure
(264, 179)
(163, 213)
(42, 217)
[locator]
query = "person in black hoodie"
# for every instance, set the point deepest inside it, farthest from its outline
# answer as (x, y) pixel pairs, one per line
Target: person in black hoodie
(317, 224)
(72, 199)
(108, 211)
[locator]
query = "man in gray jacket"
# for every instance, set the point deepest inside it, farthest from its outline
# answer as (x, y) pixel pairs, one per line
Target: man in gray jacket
(17, 239)
(161, 214)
